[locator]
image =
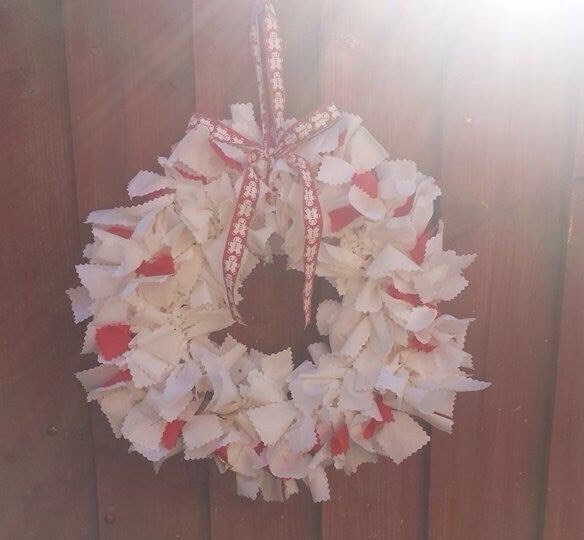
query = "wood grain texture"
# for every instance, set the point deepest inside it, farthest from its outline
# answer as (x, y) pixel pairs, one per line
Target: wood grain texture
(132, 92)
(222, 47)
(383, 61)
(565, 486)
(131, 89)
(273, 321)
(506, 160)
(565, 482)
(481, 94)
(46, 459)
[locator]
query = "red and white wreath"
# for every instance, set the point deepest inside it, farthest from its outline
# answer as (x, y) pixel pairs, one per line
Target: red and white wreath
(165, 274)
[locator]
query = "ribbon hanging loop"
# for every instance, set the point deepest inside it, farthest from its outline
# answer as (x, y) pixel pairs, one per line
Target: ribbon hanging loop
(277, 142)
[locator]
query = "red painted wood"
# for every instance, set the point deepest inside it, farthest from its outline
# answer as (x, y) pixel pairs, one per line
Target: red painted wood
(132, 91)
(565, 490)
(480, 94)
(383, 61)
(46, 464)
(224, 74)
(506, 160)
(273, 320)
(565, 483)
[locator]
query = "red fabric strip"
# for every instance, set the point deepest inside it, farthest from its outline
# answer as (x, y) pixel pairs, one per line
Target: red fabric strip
(124, 232)
(340, 441)
(418, 253)
(417, 345)
(221, 453)
(112, 340)
(154, 194)
(384, 409)
(160, 265)
(317, 445)
(225, 158)
(171, 433)
(120, 376)
(366, 181)
(405, 208)
(195, 177)
(259, 447)
(370, 428)
(410, 298)
(341, 217)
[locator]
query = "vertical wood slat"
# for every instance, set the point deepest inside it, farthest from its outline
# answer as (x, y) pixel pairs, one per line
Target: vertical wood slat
(382, 61)
(224, 74)
(565, 487)
(45, 449)
(130, 67)
(565, 483)
(508, 101)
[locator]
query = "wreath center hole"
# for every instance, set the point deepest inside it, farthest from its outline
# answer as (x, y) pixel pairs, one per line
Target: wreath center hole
(272, 310)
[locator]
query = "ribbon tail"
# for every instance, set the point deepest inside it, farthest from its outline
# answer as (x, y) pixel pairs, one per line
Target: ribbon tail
(312, 215)
(237, 236)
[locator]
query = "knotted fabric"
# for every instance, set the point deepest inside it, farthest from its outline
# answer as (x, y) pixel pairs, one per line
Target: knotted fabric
(277, 143)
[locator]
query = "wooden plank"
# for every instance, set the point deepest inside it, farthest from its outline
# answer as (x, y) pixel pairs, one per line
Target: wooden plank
(131, 85)
(225, 75)
(382, 61)
(565, 486)
(224, 64)
(508, 103)
(131, 89)
(46, 465)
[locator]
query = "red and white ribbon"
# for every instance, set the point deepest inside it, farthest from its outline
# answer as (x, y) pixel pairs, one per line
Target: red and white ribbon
(276, 143)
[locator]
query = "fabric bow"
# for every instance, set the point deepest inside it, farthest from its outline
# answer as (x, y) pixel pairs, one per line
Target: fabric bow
(277, 143)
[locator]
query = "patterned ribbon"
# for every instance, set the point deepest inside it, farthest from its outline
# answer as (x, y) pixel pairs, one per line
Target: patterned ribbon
(277, 143)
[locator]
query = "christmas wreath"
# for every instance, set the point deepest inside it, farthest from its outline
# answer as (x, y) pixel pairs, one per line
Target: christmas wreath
(164, 275)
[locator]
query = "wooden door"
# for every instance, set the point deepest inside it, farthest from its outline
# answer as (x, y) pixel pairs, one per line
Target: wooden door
(483, 95)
